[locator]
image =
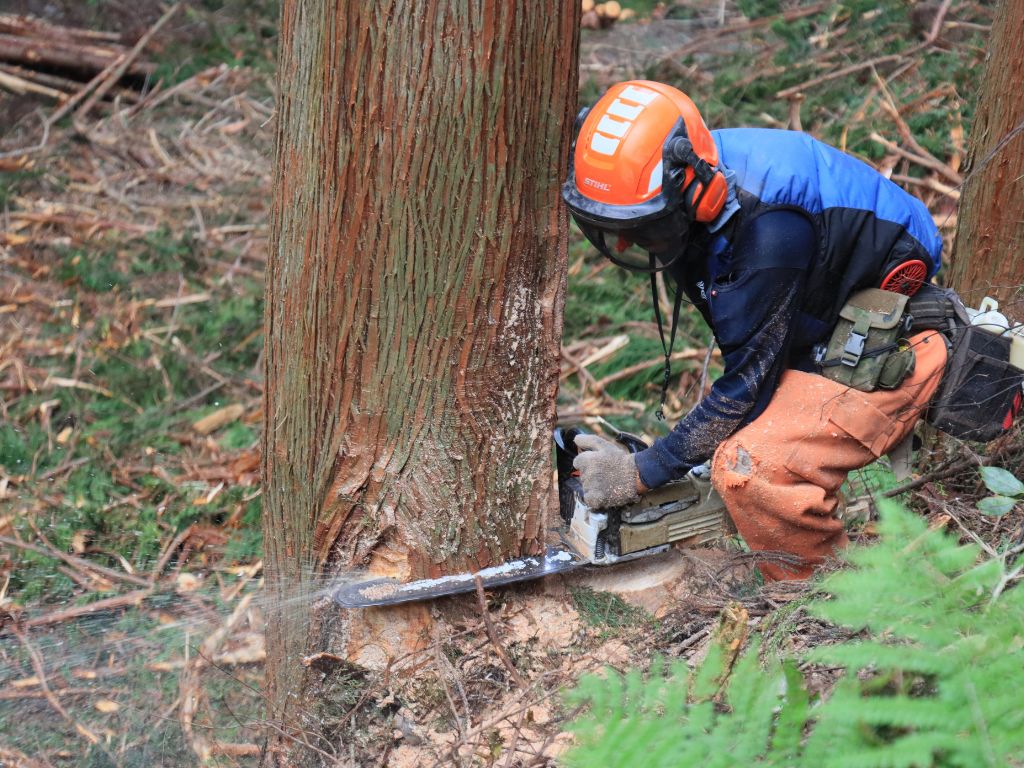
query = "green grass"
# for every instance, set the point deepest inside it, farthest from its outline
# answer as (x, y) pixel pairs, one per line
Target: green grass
(741, 86)
(233, 32)
(134, 417)
(607, 611)
(120, 645)
(11, 180)
(94, 271)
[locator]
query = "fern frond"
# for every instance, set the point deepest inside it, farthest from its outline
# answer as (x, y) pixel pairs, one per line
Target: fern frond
(868, 654)
(937, 684)
(792, 717)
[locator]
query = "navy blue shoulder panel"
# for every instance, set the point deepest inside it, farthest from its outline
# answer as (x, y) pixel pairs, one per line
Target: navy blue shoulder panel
(794, 169)
(781, 238)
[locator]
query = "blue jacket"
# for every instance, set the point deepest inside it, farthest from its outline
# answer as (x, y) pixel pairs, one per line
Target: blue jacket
(807, 226)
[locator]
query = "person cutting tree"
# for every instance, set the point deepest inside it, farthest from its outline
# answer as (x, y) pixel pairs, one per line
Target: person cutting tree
(812, 270)
(768, 233)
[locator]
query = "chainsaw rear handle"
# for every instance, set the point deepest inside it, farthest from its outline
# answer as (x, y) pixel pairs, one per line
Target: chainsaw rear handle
(565, 441)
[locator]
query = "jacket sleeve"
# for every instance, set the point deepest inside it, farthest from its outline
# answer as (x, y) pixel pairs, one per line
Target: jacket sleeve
(752, 310)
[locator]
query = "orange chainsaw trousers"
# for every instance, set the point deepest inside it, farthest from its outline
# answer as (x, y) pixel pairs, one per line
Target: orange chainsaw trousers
(780, 475)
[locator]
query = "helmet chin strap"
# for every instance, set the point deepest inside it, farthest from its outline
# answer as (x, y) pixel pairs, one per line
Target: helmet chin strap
(660, 413)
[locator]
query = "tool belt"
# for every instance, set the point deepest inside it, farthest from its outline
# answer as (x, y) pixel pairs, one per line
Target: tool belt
(868, 349)
(980, 394)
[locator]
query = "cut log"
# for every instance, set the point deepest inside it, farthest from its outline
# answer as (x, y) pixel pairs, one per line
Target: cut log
(20, 86)
(30, 26)
(41, 78)
(65, 54)
(608, 13)
(63, 85)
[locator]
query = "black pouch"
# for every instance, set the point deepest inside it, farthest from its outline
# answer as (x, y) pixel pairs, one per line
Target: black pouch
(980, 394)
(934, 308)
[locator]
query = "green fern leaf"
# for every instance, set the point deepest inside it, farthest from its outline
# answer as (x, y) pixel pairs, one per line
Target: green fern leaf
(937, 683)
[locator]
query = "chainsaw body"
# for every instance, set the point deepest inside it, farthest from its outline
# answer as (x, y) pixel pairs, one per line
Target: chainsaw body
(688, 511)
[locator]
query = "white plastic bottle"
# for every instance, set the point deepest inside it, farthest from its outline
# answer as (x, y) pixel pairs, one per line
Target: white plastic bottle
(990, 318)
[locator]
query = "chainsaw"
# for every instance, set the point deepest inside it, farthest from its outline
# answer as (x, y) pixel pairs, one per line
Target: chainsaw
(688, 512)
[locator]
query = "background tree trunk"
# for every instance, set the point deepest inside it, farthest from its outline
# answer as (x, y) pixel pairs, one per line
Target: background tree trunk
(414, 300)
(988, 258)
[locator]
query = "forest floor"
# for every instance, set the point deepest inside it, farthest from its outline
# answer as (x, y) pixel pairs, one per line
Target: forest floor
(132, 248)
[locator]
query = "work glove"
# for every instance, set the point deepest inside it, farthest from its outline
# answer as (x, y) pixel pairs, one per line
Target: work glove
(608, 472)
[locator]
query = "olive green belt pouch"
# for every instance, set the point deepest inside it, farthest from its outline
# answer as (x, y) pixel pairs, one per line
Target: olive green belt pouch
(868, 349)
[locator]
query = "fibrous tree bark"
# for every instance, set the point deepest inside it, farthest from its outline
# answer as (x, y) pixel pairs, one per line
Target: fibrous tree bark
(989, 255)
(414, 298)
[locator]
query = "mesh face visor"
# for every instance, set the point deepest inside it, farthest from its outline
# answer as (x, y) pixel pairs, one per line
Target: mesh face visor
(651, 246)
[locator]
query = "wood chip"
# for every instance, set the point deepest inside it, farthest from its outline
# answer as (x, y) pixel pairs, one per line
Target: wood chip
(187, 582)
(219, 418)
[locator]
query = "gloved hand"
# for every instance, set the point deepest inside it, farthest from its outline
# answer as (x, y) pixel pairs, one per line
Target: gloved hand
(608, 472)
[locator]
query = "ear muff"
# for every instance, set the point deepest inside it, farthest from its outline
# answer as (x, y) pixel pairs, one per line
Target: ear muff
(704, 188)
(705, 203)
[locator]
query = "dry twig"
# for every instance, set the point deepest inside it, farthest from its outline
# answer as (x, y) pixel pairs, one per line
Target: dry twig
(40, 669)
(190, 686)
(931, 37)
(116, 70)
(489, 626)
(74, 562)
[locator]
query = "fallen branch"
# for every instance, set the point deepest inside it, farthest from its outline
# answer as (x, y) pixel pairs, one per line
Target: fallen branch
(21, 86)
(498, 647)
(585, 411)
(928, 162)
(928, 183)
(35, 51)
(37, 664)
(931, 37)
(76, 562)
(31, 26)
(745, 26)
(939, 474)
(625, 373)
(117, 68)
(576, 366)
(126, 600)
(606, 351)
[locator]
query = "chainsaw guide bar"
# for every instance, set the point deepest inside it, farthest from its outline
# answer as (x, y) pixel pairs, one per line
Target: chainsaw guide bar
(390, 592)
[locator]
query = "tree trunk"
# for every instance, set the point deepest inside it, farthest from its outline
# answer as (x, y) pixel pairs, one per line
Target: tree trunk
(989, 255)
(414, 307)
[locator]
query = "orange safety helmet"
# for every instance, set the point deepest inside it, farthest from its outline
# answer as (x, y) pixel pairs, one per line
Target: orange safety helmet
(644, 166)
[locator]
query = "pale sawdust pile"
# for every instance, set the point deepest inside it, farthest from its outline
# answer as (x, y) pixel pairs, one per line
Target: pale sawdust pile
(453, 703)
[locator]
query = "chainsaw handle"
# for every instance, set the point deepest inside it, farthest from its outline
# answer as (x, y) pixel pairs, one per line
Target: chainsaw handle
(633, 443)
(565, 441)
